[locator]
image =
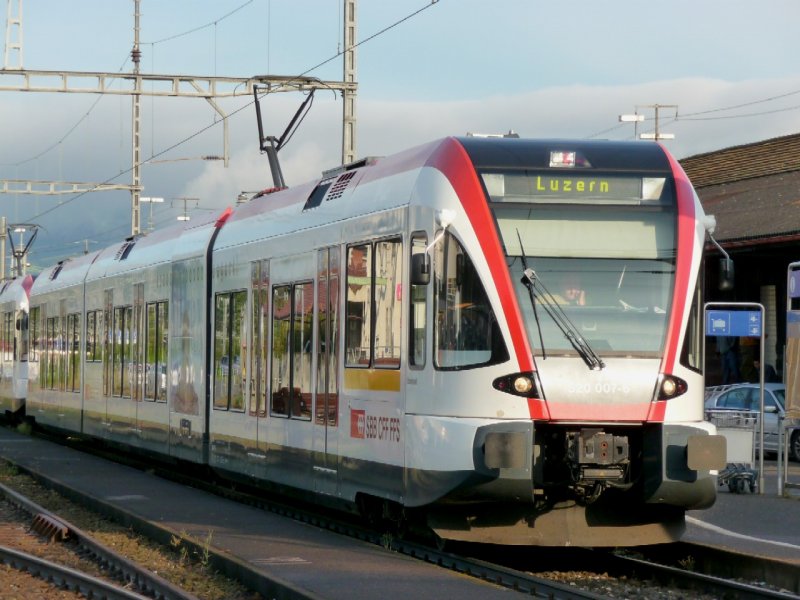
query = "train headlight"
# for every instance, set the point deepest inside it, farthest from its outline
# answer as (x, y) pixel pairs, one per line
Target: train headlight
(671, 387)
(522, 384)
(518, 384)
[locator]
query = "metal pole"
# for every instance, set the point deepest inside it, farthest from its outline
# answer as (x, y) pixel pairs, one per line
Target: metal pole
(2, 248)
(136, 117)
(761, 407)
(349, 76)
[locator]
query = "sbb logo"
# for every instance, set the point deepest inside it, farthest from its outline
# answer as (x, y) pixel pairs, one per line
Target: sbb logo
(358, 423)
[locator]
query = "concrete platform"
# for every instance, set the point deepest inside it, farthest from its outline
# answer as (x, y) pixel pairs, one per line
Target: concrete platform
(755, 524)
(302, 560)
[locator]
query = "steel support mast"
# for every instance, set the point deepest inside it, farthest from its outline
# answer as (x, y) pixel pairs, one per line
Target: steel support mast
(349, 77)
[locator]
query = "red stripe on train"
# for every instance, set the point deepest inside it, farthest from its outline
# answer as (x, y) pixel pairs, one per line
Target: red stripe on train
(452, 160)
(681, 293)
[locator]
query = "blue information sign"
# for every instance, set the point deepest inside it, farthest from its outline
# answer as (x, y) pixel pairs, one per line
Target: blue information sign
(733, 323)
(794, 284)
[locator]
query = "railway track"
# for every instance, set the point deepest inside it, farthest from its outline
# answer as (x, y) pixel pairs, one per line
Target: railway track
(81, 562)
(626, 575)
(609, 575)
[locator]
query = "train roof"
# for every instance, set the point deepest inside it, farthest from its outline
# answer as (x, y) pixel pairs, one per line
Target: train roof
(184, 240)
(65, 273)
(341, 194)
(16, 290)
(346, 192)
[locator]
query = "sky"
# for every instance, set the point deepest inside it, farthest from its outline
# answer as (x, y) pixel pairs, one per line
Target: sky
(724, 72)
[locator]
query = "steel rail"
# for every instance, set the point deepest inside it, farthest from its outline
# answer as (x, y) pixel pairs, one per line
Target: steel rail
(488, 571)
(65, 577)
(150, 583)
(681, 578)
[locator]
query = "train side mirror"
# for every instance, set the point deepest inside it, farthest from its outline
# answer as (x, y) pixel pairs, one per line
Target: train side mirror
(726, 275)
(420, 269)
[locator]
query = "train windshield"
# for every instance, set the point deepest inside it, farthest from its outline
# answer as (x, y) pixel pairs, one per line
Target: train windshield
(607, 263)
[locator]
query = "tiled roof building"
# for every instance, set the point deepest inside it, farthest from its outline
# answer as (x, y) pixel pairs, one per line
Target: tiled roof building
(753, 190)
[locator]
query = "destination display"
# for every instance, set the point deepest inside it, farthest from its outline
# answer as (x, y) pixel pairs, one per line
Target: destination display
(533, 187)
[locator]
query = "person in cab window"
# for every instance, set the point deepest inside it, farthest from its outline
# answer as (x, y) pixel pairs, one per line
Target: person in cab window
(572, 293)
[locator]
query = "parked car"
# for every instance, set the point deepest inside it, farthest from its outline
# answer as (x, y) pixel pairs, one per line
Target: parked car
(743, 397)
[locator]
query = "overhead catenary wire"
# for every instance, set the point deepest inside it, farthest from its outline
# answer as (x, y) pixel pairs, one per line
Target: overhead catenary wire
(69, 131)
(700, 115)
(237, 111)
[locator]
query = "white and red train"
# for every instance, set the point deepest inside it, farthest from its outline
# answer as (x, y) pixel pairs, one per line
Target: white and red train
(395, 338)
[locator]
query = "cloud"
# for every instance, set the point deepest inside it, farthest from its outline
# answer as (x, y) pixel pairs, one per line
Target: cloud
(579, 111)
(100, 148)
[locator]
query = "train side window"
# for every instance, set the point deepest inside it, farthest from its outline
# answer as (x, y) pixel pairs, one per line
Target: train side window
(155, 362)
(108, 342)
(692, 351)
(328, 324)
(23, 323)
(230, 325)
(374, 304)
(8, 336)
(280, 367)
(418, 310)
(302, 343)
(121, 351)
(91, 336)
(387, 291)
(358, 328)
(258, 338)
(466, 333)
(73, 352)
(52, 374)
(34, 332)
(238, 346)
(292, 344)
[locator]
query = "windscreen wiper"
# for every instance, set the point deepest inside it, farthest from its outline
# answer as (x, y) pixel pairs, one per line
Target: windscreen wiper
(539, 293)
(532, 295)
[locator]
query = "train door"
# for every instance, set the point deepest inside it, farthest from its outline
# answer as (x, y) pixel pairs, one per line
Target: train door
(326, 391)
(20, 375)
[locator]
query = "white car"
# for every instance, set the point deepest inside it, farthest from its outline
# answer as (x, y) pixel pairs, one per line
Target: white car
(743, 397)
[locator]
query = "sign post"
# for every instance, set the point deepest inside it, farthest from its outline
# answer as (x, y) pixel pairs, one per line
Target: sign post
(742, 319)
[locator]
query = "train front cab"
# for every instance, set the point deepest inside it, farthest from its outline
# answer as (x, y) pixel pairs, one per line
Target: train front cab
(14, 320)
(601, 442)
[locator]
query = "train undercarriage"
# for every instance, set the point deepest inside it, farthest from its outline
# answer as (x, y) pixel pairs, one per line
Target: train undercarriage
(591, 486)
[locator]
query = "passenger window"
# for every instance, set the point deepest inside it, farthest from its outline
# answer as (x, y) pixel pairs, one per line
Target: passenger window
(418, 310)
(260, 319)
(157, 332)
(374, 304)
(358, 320)
(466, 331)
(281, 332)
(73, 352)
(35, 329)
(292, 319)
(328, 324)
(121, 351)
(230, 318)
(7, 335)
(388, 301)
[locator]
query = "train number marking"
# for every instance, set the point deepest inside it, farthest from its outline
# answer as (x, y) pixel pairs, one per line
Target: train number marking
(383, 429)
(601, 387)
